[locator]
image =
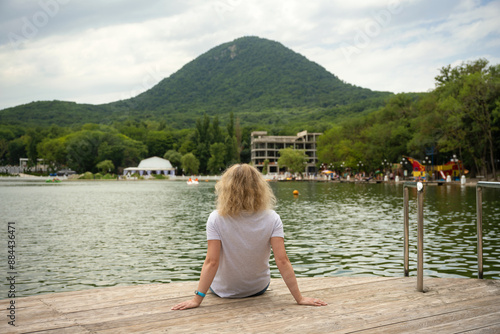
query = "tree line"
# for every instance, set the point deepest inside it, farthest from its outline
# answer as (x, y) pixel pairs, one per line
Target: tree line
(208, 148)
(460, 117)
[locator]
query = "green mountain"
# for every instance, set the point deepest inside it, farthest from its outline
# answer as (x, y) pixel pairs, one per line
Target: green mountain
(260, 80)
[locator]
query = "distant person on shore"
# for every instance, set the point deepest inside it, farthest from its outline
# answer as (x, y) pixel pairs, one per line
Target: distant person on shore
(240, 235)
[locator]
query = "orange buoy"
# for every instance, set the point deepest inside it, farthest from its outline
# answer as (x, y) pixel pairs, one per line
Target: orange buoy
(295, 192)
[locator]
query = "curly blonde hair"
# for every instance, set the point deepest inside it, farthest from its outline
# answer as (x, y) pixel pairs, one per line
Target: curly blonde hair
(243, 189)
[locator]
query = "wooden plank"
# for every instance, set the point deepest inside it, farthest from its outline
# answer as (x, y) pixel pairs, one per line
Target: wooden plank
(451, 317)
(493, 329)
(442, 298)
(64, 330)
(102, 298)
(93, 298)
(36, 317)
(467, 321)
(174, 293)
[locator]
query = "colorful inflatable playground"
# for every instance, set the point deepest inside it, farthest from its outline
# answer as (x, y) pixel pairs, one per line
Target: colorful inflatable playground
(452, 168)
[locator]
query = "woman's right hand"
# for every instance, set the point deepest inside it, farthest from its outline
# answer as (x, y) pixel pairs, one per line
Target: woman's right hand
(186, 305)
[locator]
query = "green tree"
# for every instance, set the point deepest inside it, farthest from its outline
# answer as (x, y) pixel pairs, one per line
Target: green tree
(203, 140)
(83, 150)
(294, 160)
(230, 125)
(134, 130)
(240, 144)
(264, 168)
(158, 142)
(4, 148)
(16, 150)
(345, 144)
(190, 164)
(174, 157)
(188, 146)
(469, 96)
(86, 148)
(216, 162)
(382, 134)
(6, 135)
(429, 125)
(105, 166)
(53, 151)
(32, 138)
(231, 150)
(217, 136)
(133, 152)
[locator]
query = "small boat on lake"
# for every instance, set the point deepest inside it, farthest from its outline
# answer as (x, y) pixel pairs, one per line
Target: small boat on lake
(192, 182)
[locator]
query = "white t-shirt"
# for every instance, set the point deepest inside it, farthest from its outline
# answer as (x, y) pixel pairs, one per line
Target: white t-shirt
(244, 260)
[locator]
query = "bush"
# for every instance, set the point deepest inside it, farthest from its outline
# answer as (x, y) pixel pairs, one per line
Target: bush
(161, 177)
(106, 165)
(87, 176)
(97, 176)
(109, 176)
(138, 176)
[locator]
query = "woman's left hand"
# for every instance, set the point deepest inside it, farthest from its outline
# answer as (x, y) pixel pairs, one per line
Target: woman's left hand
(186, 305)
(312, 302)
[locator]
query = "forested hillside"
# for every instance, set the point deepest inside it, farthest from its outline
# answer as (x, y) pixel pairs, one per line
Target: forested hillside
(201, 117)
(259, 80)
(253, 75)
(61, 113)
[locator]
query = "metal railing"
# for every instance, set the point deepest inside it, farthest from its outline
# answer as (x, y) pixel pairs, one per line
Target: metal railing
(479, 208)
(420, 231)
(420, 228)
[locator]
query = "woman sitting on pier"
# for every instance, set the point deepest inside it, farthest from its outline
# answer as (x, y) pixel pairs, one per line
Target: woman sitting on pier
(240, 235)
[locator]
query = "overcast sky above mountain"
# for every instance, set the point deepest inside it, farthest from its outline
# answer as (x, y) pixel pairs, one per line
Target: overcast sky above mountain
(102, 51)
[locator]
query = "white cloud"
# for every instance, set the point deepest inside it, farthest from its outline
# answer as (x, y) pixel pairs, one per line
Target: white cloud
(95, 53)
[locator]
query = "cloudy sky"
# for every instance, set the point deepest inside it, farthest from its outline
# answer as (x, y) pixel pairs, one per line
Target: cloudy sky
(92, 51)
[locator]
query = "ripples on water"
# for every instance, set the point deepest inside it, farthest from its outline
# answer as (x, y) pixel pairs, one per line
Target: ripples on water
(343, 229)
(77, 235)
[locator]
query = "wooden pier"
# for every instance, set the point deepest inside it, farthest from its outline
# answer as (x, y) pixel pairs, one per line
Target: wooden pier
(356, 305)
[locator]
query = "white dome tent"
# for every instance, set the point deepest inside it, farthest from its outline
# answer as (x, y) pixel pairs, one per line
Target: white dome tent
(149, 165)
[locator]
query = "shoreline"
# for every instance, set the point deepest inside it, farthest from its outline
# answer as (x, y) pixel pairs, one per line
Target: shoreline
(26, 177)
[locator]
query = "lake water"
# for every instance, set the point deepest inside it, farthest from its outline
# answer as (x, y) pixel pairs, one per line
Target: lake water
(80, 235)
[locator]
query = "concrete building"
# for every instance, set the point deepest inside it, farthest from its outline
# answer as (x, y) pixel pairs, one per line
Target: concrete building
(40, 165)
(267, 147)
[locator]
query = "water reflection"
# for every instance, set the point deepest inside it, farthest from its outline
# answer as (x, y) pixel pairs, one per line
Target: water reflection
(356, 229)
(76, 235)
